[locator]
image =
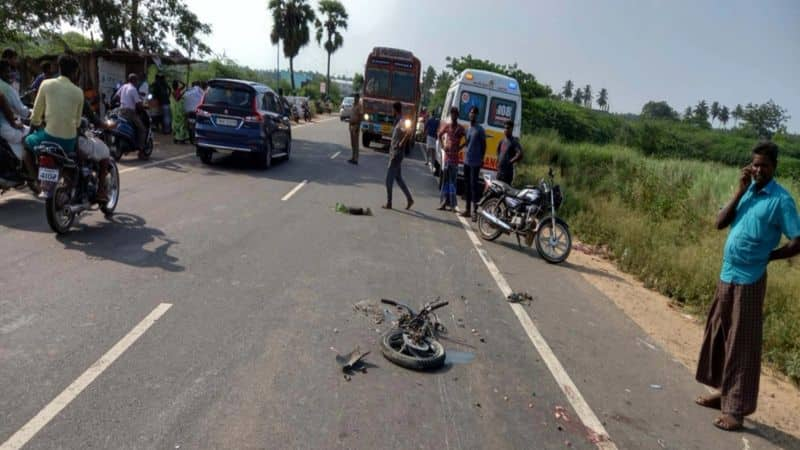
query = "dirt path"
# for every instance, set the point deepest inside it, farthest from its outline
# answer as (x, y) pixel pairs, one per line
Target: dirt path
(681, 335)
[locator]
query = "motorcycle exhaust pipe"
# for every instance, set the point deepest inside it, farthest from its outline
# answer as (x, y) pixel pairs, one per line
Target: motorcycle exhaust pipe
(495, 221)
(77, 209)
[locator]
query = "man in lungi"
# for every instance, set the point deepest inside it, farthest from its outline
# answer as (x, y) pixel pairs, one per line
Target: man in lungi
(730, 358)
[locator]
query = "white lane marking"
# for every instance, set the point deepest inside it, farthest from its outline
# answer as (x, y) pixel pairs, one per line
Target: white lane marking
(155, 163)
(294, 191)
(29, 430)
(335, 155)
(563, 379)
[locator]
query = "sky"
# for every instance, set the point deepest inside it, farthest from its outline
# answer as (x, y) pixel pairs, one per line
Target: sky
(681, 51)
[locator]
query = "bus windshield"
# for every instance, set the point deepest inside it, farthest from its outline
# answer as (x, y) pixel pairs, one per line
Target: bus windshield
(377, 83)
(403, 86)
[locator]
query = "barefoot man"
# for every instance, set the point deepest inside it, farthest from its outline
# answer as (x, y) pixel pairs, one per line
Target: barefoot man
(730, 358)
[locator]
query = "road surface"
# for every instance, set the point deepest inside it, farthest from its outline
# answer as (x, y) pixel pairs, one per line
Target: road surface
(207, 312)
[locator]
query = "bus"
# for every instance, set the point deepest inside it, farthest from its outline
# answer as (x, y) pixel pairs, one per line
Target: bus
(391, 75)
(498, 100)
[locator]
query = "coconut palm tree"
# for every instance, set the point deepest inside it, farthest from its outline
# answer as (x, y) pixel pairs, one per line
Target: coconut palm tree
(578, 98)
(290, 24)
(335, 19)
(566, 91)
(714, 111)
(724, 115)
(737, 114)
(587, 96)
(602, 99)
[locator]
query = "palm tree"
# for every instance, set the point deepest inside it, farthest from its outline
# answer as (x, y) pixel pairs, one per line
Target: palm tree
(578, 98)
(566, 91)
(290, 19)
(714, 111)
(687, 114)
(335, 19)
(737, 114)
(587, 96)
(602, 99)
(724, 115)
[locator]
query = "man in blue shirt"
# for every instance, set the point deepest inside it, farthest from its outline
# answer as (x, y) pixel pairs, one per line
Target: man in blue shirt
(473, 161)
(730, 358)
(431, 134)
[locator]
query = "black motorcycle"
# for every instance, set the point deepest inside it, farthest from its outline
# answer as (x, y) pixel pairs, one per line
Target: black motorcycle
(528, 213)
(413, 343)
(122, 135)
(70, 184)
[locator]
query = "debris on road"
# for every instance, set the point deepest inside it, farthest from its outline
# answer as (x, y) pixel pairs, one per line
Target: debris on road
(370, 310)
(413, 343)
(344, 209)
(352, 362)
(520, 297)
(561, 414)
(656, 386)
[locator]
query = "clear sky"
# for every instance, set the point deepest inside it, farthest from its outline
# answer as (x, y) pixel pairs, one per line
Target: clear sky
(681, 51)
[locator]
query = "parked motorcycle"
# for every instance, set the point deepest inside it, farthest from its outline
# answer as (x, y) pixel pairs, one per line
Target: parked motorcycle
(70, 185)
(123, 135)
(529, 213)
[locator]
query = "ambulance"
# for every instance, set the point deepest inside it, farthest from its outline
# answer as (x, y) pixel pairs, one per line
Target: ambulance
(498, 100)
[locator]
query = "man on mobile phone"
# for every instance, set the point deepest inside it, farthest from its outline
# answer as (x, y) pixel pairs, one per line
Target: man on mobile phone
(730, 358)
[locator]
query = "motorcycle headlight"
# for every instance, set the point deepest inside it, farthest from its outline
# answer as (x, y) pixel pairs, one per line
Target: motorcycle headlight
(407, 124)
(366, 117)
(110, 123)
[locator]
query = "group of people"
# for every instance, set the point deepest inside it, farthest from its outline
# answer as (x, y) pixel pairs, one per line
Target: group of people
(453, 138)
(177, 105)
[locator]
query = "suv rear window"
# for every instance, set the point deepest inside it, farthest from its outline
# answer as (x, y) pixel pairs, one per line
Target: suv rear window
(229, 95)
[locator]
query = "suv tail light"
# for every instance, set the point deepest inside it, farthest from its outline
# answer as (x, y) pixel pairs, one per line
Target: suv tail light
(256, 116)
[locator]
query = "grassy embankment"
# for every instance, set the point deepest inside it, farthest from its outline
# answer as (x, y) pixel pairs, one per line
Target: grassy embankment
(656, 217)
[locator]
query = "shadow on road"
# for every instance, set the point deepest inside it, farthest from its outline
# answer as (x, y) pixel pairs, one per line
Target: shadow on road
(771, 434)
(25, 214)
(123, 239)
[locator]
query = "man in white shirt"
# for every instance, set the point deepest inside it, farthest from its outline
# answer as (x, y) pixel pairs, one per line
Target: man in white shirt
(192, 98)
(130, 106)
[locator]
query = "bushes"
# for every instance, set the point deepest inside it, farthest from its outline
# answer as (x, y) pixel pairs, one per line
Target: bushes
(656, 216)
(659, 138)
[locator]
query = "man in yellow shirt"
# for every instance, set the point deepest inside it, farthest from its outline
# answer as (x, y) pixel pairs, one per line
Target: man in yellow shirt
(59, 104)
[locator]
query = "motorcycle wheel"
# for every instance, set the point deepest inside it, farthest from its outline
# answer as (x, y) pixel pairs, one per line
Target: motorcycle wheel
(144, 155)
(113, 190)
(485, 227)
(553, 243)
(59, 217)
(394, 349)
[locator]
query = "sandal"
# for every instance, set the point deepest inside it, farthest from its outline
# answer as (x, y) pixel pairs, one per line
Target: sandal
(713, 401)
(728, 422)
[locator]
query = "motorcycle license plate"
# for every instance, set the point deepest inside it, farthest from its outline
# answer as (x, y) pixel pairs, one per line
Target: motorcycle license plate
(48, 175)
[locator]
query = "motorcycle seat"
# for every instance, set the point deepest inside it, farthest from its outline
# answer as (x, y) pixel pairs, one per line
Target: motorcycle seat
(507, 188)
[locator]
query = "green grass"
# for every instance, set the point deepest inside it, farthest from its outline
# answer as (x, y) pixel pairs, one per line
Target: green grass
(656, 217)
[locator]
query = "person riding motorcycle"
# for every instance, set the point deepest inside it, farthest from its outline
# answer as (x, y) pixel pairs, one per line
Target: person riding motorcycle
(11, 129)
(59, 103)
(130, 107)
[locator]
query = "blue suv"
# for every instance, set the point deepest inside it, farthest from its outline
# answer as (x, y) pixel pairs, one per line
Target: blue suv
(243, 117)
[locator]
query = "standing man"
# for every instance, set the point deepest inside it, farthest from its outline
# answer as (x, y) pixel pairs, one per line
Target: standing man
(161, 92)
(400, 137)
(509, 153)
(130, 106)
(450, 137)
(59, 104)
(473, 161)
(356, 114)
(730, 358)
(431, 131)
(12, 95)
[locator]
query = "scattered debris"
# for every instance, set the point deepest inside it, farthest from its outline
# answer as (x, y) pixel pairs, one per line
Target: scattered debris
(477, 405)
(520, 297)
(482, 340)
(371, 310)
(344, 209)
(335, 330)
(352, 362)
(505, 397)
(656, 386)
(561, 414)
(530, 405)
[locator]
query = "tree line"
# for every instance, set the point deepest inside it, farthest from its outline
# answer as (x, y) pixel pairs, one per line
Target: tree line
(762, 120)
(584, 96)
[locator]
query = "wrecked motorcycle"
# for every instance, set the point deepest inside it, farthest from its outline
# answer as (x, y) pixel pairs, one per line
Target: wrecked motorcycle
(413, 343)
(528, 213)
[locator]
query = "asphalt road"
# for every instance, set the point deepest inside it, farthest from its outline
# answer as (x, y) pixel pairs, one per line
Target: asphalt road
(207, 312)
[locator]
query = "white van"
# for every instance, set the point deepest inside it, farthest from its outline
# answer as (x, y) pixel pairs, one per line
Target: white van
(498, 100)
